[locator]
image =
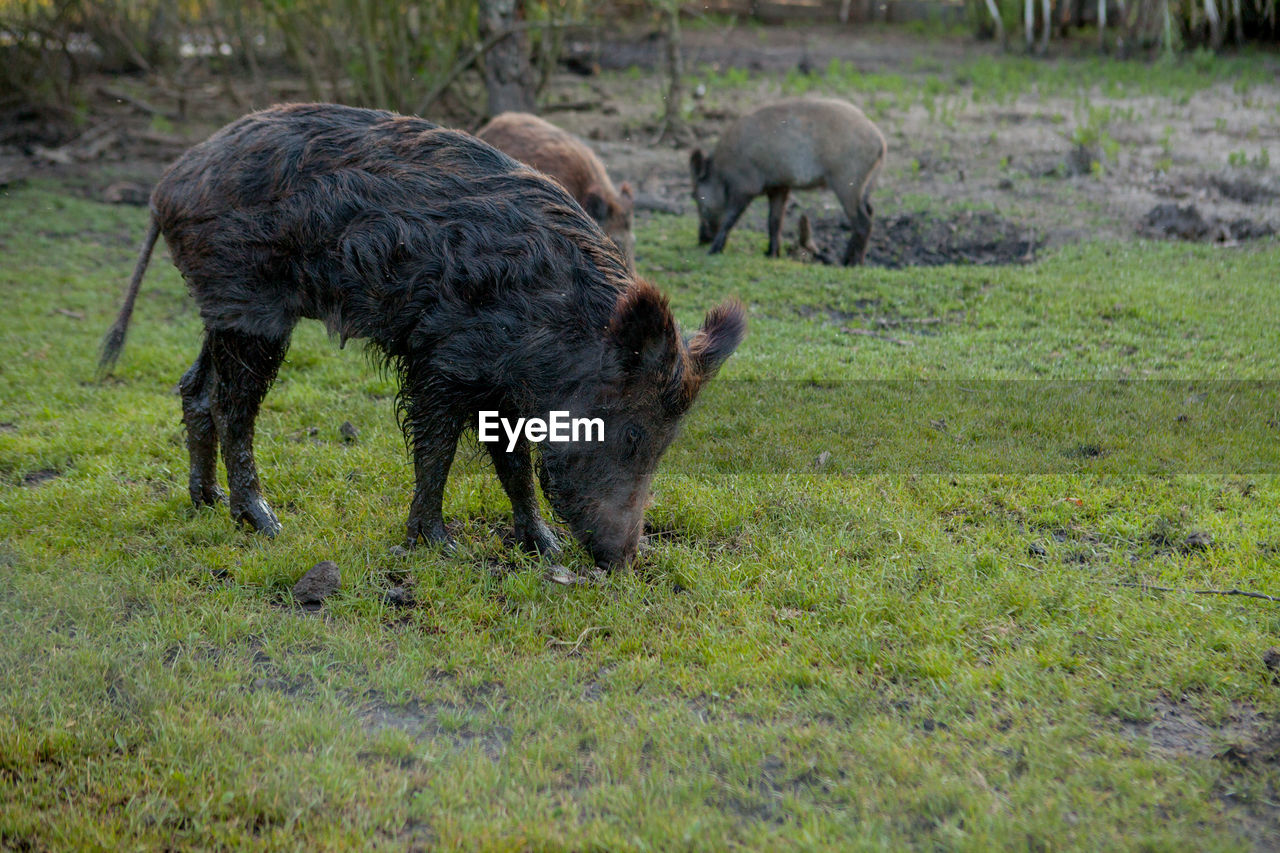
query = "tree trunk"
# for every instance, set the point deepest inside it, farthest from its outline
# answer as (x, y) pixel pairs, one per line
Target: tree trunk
(1215, 24)
(673, 127)
(508, 75)
(994, 11)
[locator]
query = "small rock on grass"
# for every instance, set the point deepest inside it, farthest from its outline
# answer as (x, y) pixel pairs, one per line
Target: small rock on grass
(398, 596)
(348, 432)
(1197, 540)
(566, 577)
(316, 585)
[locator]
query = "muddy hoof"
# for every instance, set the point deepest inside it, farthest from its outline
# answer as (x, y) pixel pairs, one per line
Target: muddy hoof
(207, 495)
(441, 539)
(539, 539)
(258, 515)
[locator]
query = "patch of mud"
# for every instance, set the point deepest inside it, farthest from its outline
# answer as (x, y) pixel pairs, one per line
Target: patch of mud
(1186, 222)
(1175, 730)
(924, 239)
(450, 722)
(39, 478)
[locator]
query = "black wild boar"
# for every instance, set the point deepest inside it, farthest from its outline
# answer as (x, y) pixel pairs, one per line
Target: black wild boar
(798, 143)
(567, 158)
(478, 280)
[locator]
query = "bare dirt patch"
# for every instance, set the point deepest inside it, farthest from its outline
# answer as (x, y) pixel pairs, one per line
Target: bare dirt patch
(1176, 731)
(457, 724)
(1246, 744)
(925, 239)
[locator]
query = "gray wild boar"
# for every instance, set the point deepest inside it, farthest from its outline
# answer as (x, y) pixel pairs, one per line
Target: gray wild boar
(798, 143)
(567, 158)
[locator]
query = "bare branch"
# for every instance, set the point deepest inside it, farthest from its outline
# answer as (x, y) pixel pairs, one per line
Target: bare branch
(1244, 592)
(480, 50)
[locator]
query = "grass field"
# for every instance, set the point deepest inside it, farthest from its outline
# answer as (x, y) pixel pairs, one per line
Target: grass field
(876, 615)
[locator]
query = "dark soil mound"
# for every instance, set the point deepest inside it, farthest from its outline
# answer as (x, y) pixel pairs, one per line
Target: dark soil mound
(924, 239)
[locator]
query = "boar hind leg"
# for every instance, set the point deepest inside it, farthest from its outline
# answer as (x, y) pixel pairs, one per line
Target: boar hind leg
(777, 207)
(515, 471)
(433, 433)
(245, 366)
(860, 219)
(202, 437)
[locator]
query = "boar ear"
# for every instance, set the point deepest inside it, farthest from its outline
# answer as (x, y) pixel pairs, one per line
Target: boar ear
(594, 204)
(627, 193)
(645, 332)
(721, 332)
(699, 164)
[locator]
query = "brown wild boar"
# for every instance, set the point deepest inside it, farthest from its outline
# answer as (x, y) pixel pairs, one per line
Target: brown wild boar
(567, 158)
(798, 143)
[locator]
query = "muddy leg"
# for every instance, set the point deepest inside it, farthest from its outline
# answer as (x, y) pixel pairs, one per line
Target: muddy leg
(515, 471)
(202, 437)
(244, 366)
(434, 431)
(777, 207)
(732, 212)
(856, 250)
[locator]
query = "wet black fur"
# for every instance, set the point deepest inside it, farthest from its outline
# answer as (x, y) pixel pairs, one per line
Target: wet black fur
(481, 283)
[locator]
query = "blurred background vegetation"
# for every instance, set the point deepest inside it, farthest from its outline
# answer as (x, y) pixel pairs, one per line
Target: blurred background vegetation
(384, 53)
(409, 56)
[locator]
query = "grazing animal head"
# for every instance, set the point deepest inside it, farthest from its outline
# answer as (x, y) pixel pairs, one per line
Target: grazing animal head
(652, 375)
(708, 195)
(614, 213)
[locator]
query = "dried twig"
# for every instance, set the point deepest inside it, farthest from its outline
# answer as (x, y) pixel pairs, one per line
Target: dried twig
(867, 333)
(136, 103)
(576, 106)
(1246, 593)
(88, 146)
(576, 644)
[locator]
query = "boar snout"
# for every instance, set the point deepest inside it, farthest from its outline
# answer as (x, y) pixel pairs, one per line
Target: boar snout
(609, 525)
(613, 547)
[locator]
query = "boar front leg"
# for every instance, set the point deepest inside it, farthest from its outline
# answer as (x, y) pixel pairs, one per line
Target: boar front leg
(856, 250)
(777, 207)
(245, 366)
(515, 472)
(434, 432)
(732, 211)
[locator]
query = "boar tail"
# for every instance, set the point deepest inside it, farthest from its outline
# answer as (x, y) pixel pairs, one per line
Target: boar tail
(113, 341)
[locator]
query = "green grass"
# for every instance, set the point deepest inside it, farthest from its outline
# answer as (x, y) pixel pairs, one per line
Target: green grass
(863, 655)
(1001, 79)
